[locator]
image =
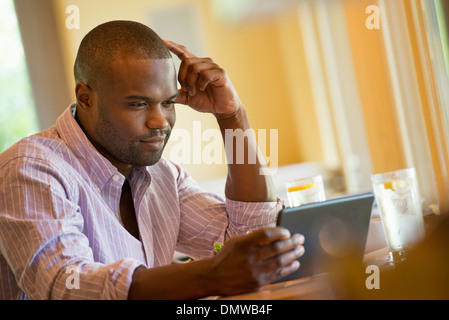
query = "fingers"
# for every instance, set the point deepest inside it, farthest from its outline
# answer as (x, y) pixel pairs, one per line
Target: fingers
(179, 50)
(280, 265)
(285, 271)
(282, 246)
(277, 252)
(196, 73)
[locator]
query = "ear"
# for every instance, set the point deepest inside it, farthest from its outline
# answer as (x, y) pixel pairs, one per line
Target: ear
(84, 95)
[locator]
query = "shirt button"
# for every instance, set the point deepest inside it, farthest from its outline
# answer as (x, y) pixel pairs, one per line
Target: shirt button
(115, 177)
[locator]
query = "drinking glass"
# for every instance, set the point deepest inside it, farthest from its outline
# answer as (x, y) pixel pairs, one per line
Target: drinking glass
(306, 190)
(398, 199)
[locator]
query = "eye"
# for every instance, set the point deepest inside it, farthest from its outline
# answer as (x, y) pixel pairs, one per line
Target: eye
(168, 103)
(138, 104)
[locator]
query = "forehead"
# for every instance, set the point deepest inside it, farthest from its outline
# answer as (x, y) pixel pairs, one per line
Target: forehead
(144, 76)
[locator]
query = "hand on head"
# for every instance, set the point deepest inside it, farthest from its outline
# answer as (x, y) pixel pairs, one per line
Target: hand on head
(205, 86)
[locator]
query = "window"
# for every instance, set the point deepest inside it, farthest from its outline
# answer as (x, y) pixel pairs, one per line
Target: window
(381, 93)
(375, 73)
(18, 117)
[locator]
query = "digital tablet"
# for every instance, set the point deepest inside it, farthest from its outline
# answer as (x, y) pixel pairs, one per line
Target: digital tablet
(332, 229)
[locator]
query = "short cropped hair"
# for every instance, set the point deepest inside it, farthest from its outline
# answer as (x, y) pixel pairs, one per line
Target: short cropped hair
(104, 43)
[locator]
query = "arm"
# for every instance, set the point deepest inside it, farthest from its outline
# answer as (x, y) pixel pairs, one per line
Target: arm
(245, 181)
(205, 87)
(43, 252)
(246, 262)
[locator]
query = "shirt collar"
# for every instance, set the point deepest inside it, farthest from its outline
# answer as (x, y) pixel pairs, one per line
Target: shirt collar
(98, 168)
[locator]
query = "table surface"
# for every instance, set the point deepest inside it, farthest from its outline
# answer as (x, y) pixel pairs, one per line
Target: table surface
(309, 288)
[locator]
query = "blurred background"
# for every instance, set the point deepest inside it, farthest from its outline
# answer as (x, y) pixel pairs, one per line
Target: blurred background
(352, 87)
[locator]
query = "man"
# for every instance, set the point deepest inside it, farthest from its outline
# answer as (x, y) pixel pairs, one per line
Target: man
(90, 209)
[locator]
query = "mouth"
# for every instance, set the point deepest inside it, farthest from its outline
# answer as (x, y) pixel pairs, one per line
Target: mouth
(154, 143)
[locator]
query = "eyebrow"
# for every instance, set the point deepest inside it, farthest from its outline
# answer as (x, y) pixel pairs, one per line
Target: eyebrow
(145, 98)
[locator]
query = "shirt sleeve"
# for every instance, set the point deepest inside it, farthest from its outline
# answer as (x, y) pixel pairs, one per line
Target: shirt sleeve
(206, 218)
(42, 242)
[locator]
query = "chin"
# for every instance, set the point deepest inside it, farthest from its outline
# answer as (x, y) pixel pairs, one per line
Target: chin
(149, 160)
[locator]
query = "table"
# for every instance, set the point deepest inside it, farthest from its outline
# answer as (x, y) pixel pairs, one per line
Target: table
(310, 288)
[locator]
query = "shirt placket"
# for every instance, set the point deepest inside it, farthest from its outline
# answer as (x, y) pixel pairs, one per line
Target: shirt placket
(140, 180)
(112, 192)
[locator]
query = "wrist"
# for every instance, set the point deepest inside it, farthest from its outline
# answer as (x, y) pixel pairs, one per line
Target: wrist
(192, 280)
(237, 119)
(237, 108)
(209, 278)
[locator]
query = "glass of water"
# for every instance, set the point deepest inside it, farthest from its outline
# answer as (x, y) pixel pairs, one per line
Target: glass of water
(398, 199)
(307, 190)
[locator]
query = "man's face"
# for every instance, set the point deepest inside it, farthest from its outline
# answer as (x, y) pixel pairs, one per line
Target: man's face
(135, 111)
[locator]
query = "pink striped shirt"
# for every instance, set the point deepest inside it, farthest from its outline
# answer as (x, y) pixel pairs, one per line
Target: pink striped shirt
(60, 231)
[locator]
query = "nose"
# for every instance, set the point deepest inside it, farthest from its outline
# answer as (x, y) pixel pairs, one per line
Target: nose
(156, 118)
